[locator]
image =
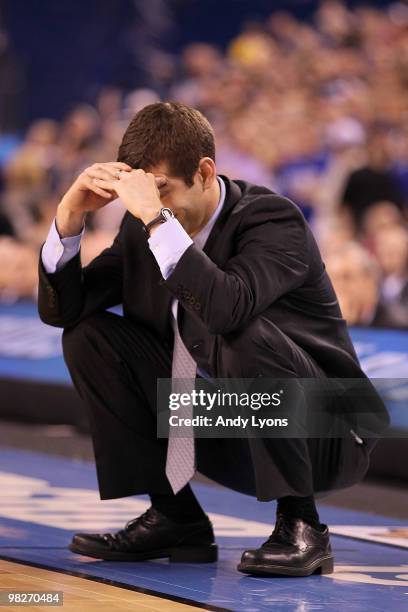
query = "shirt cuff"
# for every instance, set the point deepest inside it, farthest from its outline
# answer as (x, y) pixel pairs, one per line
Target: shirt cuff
(58, 251)
(168, 244)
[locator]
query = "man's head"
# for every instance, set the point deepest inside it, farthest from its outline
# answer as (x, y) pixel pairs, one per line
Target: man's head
(355, 275)
(391, 249)
(176, 142)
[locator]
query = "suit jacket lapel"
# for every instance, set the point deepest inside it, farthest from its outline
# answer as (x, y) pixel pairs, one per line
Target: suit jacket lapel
(232, 195)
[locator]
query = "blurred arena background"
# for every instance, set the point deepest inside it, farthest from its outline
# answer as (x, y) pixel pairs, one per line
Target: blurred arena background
(307, 98)
(310, 101)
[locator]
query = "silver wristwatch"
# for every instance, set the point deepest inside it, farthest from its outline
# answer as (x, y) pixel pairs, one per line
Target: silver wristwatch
(164, 215)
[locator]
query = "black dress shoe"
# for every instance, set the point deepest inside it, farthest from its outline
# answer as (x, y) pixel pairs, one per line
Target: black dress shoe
(294, 549)
(151, 536)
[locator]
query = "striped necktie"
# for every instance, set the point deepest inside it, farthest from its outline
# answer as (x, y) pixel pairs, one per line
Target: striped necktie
(180, 461)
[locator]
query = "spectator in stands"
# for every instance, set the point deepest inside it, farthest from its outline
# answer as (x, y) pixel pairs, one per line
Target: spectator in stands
(356, 277)
(18, 270)
(377, 217)
(391, 249)
(374, 182)
(292, 105)
(27, 178)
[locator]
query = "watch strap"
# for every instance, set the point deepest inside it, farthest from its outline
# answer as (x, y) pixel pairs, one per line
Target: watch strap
(164, 215)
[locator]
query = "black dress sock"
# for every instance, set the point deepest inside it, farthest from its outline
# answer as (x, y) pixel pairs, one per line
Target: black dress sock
(300, 507)
(181, 508)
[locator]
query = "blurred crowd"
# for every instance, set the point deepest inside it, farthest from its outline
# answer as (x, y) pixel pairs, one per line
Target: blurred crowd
(315, 111)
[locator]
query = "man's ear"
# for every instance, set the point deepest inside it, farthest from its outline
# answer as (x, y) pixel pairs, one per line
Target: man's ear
(207, 172)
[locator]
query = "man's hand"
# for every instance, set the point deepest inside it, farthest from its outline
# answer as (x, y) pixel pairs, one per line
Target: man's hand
(85, 195)
(138, 191)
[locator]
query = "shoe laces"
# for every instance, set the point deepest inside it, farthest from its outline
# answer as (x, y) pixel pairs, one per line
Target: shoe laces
(143, 518)
(122, 536)
(282, 534)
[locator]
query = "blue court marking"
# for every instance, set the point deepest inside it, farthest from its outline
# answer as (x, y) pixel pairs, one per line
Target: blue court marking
(51, 370)
(29, 349)
(381, 571)
(16, 360)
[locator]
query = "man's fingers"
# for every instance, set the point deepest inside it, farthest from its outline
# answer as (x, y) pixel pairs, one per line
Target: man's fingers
(120, 166)
(104, 184)
(107, 170)
(94, 173)
(93, 186)
(104, 171)
(117, 165)
(105, 175)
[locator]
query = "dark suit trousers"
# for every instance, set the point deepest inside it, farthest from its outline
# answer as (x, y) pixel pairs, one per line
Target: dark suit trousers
(114, 364)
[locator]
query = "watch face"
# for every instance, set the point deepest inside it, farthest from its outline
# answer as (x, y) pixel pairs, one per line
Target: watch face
(167, 213)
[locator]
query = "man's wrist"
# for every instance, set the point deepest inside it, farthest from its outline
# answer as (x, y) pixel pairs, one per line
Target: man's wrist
(150, 210)
(162, 216)
(152, 214)
(69, 222)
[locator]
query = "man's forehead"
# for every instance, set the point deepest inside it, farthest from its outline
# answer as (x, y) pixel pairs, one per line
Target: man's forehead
(160, 169)
(163, 170)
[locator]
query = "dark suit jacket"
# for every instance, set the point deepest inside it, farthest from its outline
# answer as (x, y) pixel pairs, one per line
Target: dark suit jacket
(260, 257)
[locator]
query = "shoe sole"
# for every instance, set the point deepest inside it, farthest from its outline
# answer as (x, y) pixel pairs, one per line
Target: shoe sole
(180, 554)
(322, 566)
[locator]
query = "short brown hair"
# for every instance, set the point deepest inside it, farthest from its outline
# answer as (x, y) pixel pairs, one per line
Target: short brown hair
(168, 132)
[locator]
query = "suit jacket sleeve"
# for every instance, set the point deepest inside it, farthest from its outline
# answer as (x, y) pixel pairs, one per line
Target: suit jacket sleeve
(272, 259)
(69, 295)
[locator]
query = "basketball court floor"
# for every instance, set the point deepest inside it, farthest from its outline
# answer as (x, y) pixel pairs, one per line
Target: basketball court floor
(50, 491)
(45, 499)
